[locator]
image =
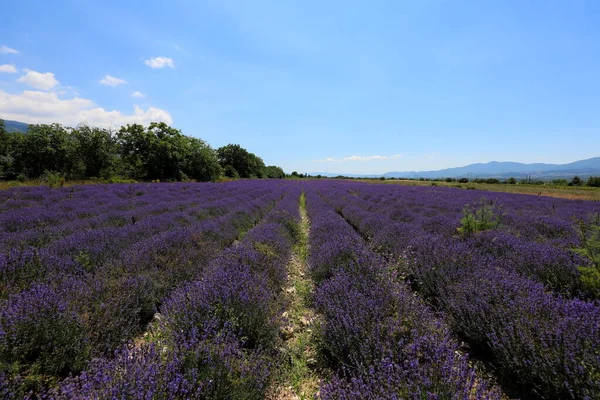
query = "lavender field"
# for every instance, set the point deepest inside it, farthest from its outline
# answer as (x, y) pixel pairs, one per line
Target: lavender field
(180, 291)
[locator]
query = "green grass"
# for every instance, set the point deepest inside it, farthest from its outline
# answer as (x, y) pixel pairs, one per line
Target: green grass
(301, 246)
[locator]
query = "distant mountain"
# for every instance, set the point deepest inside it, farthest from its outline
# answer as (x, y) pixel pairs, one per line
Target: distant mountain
(498, 169)
(15, 126)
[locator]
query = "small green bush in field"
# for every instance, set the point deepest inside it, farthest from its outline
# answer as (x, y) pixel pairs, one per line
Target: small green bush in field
(590, 278)
(478, 217)
(53, 179)
(589, 233)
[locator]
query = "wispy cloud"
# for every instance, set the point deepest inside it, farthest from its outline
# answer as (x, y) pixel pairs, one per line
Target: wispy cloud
(8, 68)
(39, 80)
(359, 158)
(160, 62)
(112, 81)
(7, 50)
(138, 95)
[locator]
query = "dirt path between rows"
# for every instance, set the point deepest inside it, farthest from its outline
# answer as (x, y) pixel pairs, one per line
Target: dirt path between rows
(300, 376)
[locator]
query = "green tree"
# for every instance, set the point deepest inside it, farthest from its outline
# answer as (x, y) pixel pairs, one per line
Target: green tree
(134, 147)
(593, 181)
(162, 152)
(201, 161)
(156, 152)
(258, 166)
(3, 136)
(234, 159)
(6, 160)
(167, 152)
(274, 172)
(576, 181)
(95, 152)
(43, 148)
(4, 140)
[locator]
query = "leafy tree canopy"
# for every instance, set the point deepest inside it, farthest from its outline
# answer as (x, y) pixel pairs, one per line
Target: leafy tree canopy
(235, 160)
(157, 151)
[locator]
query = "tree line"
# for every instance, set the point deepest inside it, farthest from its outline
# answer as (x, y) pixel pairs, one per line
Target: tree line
(155, 152)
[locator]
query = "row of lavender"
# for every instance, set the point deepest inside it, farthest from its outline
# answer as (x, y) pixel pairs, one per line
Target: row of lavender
(217, 335)
(534, 239)
(49, 215)
(495, 289)
(83, 293)
(381, 341)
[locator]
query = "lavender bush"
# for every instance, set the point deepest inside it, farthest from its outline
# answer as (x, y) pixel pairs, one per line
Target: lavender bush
(495, 289)
(381, 341)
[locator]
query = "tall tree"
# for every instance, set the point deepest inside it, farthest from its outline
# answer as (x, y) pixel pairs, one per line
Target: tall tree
(235, 160)
(95, 153)
(201, 161)
(6, 160)
(274, 172)
(162, 152)
(43, 148)
(134, 147)
(3, 139)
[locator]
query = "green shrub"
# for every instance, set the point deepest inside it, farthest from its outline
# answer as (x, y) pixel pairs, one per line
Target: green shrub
(478, 217)
(590, 279)
(589, 234)
(53, 179)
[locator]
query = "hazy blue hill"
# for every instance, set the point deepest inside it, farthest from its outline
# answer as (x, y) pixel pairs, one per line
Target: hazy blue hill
(499, 169)
(15, 126)
(593, 163)
(507, 169)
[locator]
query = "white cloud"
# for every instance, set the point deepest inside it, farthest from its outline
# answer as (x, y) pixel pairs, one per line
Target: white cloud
(7, 50)
(364, 158)
(359, 158)
(160, 62)
(8, 68)
(112, 81)
(138, 95)
(39, 80)
(38, 107)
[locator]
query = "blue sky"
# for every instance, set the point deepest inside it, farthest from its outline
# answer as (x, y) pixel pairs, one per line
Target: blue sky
(337, 86)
